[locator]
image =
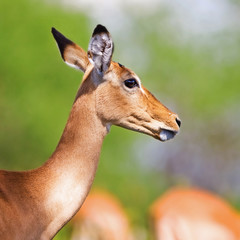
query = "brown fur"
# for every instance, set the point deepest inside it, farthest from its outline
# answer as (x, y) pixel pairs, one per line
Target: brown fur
(36, 204)
(75, 55)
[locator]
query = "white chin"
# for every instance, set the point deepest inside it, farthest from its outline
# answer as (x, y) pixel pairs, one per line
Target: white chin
(166, 135)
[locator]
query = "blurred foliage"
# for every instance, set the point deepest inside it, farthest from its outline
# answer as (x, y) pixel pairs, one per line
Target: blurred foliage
(37, 91)
(31, 79)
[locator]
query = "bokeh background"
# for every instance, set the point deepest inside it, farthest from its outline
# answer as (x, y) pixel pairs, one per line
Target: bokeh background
(187, 53)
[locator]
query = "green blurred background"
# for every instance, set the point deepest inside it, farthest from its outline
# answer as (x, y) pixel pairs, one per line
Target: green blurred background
(186, 53)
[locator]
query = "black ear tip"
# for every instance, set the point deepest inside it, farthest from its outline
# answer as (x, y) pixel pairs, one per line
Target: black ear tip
(53, 30)
(99, 29)
(61, 40)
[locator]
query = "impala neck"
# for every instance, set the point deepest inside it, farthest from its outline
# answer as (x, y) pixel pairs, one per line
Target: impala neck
(72, 166)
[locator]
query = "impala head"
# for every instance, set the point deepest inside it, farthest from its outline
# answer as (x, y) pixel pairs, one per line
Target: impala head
(120, 97)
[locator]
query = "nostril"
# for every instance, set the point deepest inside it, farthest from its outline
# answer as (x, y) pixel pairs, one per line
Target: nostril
(178, 122)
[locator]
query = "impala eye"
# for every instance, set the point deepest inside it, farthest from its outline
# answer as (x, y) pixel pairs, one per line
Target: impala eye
(131, 83)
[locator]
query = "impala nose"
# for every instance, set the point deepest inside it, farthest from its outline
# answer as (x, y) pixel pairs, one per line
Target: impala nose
(178, 121)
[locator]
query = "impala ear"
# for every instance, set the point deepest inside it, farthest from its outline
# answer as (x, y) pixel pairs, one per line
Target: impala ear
(72, 54)
(100, 49)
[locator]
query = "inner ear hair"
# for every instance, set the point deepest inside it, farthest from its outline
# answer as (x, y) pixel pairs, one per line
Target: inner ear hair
(100, 49)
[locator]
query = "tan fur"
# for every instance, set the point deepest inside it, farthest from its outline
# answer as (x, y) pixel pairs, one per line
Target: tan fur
(36, 204)
(194, 214)
(133, 109)
(75, 55)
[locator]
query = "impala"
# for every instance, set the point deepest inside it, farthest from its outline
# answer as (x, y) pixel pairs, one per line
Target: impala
(193, 214)
(36, 204)
(101, 217)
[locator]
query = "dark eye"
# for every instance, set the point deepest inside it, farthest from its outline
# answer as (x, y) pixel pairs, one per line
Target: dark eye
(131, 83)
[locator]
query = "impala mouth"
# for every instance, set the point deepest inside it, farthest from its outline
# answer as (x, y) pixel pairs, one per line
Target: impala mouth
(167, 135)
